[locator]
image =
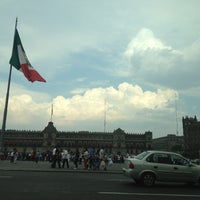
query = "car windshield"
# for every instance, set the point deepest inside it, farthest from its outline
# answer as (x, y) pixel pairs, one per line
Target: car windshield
(142, 155)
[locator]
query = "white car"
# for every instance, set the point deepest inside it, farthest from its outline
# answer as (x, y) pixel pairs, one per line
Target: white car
(151, 166)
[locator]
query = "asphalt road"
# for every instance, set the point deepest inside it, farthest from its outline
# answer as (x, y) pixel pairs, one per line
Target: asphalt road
(46, 166)
(62, 185)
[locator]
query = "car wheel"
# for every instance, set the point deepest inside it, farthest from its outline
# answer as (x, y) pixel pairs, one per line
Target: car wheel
(148, 179)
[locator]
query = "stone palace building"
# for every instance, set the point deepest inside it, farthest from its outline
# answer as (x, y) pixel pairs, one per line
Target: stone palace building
(113, 142)
(191, 132)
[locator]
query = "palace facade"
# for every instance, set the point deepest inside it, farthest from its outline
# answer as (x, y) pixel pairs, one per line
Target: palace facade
(171, 142)
(112, 142)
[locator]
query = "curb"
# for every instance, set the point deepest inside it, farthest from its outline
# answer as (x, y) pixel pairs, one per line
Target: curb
(63, 170)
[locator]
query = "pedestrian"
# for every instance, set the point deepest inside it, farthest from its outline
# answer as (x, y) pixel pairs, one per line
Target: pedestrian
(101, 153)
(102, 165)
(85, 159)
(76, 158)
(65, 158)
(101, 156)
(53, 160)
(91, 158)
(56, 157)
(37, 156)
(12, 156)
(16, 154)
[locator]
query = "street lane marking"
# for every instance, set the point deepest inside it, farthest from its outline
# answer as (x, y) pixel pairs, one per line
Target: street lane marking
(150, 194)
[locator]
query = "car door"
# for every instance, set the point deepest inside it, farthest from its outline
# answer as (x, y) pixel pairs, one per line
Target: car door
(162, 166)
(183, 171)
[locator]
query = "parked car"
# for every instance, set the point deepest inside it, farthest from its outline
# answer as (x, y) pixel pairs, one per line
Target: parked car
(151, 166)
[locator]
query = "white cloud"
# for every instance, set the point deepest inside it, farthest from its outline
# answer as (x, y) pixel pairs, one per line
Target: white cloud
(124, 103)
(144, 41)
(27, 109)
(24, 112)
(146, 53)
(121, 103)
(149, 59)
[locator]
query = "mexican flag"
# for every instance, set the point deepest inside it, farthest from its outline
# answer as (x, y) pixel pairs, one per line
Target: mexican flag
(20, 61)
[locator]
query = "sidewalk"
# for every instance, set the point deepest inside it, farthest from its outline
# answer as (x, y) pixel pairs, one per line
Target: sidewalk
(45, 166)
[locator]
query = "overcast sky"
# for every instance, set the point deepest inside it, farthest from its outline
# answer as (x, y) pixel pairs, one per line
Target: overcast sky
(133, 64)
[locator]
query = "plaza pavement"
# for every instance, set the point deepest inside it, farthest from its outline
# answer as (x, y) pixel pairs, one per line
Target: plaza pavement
(45, 166)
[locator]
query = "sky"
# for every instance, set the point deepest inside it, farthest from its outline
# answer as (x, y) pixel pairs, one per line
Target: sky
(109, 64)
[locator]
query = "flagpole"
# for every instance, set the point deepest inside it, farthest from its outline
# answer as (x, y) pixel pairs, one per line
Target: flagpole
(51, 112)
(6, 101)
(105, 113)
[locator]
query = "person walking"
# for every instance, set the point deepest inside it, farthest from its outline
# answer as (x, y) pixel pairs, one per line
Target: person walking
(14, 156)
(76, 158)
(37, 156)
(65, 158)
(85, 159)
(53, 160)
(101, 156)
(91, 158)
(56, 157)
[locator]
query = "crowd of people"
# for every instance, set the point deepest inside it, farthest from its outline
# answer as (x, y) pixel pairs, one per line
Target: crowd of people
(90, 159)
(25, 156)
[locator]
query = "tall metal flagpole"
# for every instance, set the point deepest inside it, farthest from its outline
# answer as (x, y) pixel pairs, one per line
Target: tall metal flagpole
(7, 98)
(105, 114)
(51, 112)
(176, 110)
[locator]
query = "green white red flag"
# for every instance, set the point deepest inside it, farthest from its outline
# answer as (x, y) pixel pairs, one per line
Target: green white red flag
(20, 61)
